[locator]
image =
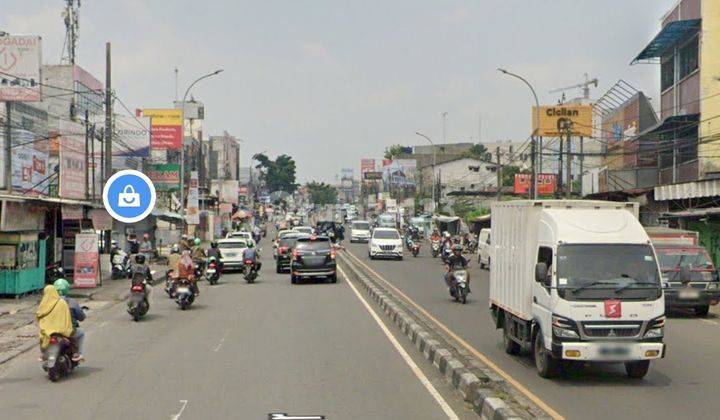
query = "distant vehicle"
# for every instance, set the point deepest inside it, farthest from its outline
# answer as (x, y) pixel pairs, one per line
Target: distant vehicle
(240, 235)
(231, 251)
(387, 221)
(385, 243)
(313, 257)
(484, 248)
(281, 234)
(284, 251)
(360, 231)
(303, 229)
(576, 281)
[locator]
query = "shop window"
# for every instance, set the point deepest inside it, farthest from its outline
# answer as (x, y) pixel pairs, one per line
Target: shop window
(689, 57)
(667, 73)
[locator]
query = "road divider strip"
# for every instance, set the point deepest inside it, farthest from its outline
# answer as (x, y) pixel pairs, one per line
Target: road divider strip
(486, 396)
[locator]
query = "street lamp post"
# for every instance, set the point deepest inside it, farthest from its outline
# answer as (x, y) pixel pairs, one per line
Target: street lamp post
(433, 165)
(182, 143)
(536, 130)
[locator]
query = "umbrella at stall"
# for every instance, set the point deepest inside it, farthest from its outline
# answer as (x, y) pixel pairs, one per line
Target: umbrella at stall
(240, 214)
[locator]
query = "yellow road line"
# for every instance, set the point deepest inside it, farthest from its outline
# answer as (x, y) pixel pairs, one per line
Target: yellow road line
(406, 357)
(526, 392)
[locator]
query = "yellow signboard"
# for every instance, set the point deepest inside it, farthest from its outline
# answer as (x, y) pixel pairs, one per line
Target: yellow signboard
(164, 116)
(580, 115)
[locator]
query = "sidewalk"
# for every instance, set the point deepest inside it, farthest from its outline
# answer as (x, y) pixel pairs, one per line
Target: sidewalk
(18, 331)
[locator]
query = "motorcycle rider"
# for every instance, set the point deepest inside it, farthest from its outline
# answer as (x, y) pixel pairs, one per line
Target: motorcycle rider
(77, 314)
(186, 270)
(256, 233)
(252, 254)
(214, 252)
(184, 243)
(146, 246)
(456, 261)
(114, 249)
(142, 268)
(53, 316)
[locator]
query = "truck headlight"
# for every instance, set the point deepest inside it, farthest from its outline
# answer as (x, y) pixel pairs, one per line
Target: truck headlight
(713, 285)
(563, 327)
(655, 333)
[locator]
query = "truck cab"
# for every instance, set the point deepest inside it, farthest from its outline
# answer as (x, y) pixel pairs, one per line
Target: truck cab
(576, 281)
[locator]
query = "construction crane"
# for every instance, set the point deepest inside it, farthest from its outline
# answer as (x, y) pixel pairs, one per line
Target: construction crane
(584, 85)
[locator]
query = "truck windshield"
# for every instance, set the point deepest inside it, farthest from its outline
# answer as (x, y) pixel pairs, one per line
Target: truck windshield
(671, 258)
(606, 271)
(361, 226)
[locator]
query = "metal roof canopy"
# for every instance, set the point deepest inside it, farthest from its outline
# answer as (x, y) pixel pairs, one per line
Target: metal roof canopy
(676, 122)
(668, 37)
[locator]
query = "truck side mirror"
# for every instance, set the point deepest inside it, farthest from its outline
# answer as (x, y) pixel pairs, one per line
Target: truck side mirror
(685, 273)
(541, 271)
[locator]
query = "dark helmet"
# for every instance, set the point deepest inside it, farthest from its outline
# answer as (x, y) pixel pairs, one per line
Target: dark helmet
(457, 249)
(140, 258)
(213, 244)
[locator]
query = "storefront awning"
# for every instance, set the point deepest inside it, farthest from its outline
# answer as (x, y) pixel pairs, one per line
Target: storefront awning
(685, 190)
(46, 199)
(676, 122)
(167, 215)
(669, 36)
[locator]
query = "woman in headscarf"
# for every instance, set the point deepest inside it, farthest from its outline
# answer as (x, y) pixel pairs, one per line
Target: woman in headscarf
(186, 270)
(53, 316)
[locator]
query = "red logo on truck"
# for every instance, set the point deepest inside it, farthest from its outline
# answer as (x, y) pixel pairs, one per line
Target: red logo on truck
(613, 309)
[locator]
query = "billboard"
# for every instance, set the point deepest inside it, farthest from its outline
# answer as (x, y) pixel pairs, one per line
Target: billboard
(545, 184)
(30, 169)
(372, 176)
(87, 260)
(580, 115)
(229, 191)
(401, 172)
(72, 160)
(165, 176)
(193, 201)
(367, 165)
(131, 133)
(165, 127)
(20, 58)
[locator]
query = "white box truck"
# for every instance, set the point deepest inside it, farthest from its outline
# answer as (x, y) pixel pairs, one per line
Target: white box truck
(576, 280)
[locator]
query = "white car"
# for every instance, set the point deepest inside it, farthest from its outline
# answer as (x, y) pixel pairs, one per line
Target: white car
(484, 248)
(307, 230)
(231, 253)
(385, 242)
(360, 231)
(240, 235)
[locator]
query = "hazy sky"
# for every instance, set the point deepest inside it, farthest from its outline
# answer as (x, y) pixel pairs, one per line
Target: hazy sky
(330, 82)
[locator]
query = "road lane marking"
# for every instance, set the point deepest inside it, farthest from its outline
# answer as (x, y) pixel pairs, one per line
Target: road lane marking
(410, 362)
(515, 383)
(177, 416)
(222, 340)
(707, 321)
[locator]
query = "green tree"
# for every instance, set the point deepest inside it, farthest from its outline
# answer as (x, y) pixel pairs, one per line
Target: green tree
(393, 151)
(321, 193)
(278, 174)
(478, 150)
(508, 174)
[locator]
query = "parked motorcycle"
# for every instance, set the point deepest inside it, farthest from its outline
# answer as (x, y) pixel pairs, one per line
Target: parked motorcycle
(212, 272)
(415, 248)
(138, 302)
(459, 290)
(120, 265)
(184, 293)
(250, 273)
(57, 357)
(435, 248)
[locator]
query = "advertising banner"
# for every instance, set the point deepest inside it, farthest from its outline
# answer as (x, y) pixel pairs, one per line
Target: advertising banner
(244, 190)
(400, 172)
(18, 216)
(70, 212)
(165, 176)
(166, 128)
(545, 184)
(20, 58)
(229, 191)
(29, 163)
(72, 160)
(372, 176)
(580, 115)
(101, 219)
(193, 201)
(131, 133)
(87, 259)
(225, 208)
(367, 165)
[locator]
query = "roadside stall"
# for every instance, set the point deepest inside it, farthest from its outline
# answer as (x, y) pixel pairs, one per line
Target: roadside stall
(448, 224)
(22, 252)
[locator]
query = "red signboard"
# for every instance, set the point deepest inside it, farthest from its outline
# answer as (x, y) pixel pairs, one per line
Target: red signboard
(545, 184)
(166, 137)
(613, 309)
(72, 160)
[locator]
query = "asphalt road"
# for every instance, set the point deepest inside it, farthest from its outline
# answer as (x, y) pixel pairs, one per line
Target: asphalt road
(242, 351)
(683, 385)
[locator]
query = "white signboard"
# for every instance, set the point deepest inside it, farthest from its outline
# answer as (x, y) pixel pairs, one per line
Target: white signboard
(131, 135)
(20, 68)
(193, 201)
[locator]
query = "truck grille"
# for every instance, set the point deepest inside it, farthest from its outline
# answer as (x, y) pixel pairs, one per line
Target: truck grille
(387, 247)
(610, 330)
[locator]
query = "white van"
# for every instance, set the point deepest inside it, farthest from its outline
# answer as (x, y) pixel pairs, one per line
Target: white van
(484, 248)
(576, 280)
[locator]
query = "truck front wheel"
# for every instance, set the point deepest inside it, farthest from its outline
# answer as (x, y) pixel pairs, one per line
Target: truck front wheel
(702, 310)
(546, 365)
(637, 370)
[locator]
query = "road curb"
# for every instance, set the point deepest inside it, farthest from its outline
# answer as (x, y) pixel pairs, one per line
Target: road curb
(480, 392)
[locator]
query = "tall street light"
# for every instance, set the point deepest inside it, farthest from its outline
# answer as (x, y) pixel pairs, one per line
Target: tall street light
(433, 166)
(536, 130)
(182, 144)
(444, 121)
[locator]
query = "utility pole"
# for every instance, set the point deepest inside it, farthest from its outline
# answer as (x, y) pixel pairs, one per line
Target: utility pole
(582, 169)
(92, 156)
(560, 129)
(444, 121)
(87, 156)
(8, 147)
(499, 173)
(108, 132)
(568, 146)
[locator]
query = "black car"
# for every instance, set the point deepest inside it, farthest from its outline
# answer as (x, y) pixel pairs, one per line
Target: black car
(312, 257)
(284, 252)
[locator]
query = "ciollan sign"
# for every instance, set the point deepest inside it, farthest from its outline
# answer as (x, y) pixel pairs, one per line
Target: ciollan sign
(579, 115)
